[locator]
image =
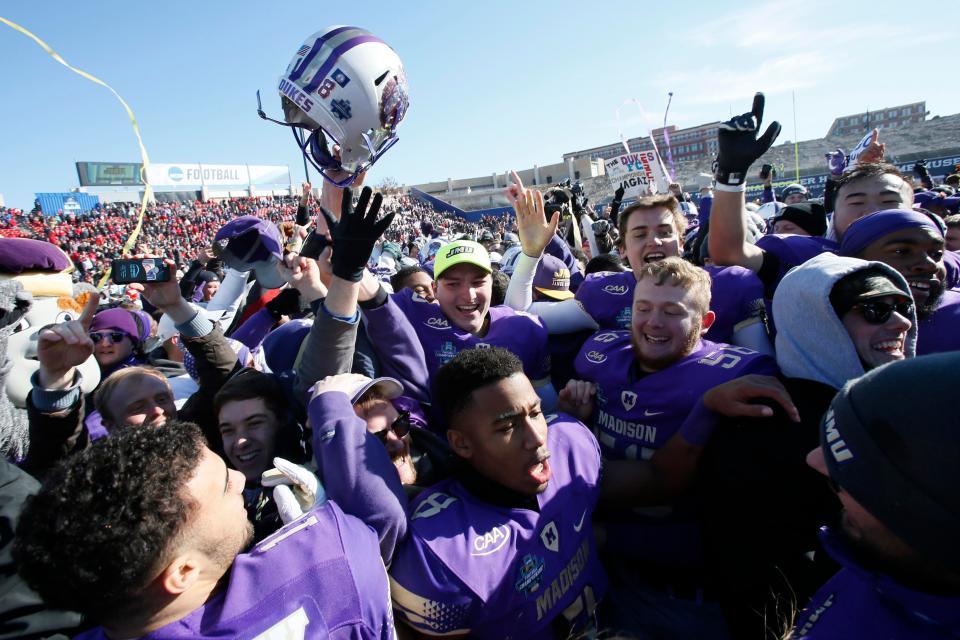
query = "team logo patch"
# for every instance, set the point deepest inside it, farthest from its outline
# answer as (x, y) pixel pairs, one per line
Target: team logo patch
(629, 400)
(605, 337)
(394, 101)
(490, 542)
(433, 505)
(596, 357)
(340, 78)
(341, 109)
(550, 537)
(616, 289)
(529, 575)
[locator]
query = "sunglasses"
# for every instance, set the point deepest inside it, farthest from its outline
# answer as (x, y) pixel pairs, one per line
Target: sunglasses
(400, 427)
(115, 336)
(880, 312)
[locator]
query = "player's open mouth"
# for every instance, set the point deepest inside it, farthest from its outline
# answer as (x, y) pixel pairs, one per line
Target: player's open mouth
(656, 339)
(653, 257)
(468, 308)
(923, 285)
(540, 471)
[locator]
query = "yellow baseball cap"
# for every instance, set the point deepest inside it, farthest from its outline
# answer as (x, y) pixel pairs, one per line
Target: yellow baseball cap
(461, 252)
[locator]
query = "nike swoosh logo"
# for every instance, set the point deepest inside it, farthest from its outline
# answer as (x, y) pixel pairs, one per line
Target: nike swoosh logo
(649, 413)
(579, 525)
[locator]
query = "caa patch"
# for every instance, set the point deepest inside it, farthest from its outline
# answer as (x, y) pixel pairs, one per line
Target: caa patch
(341, 109)
(437, 323)
(529, 575)
(340, 78)
(616, 289)
(490, 542)
(596, 357)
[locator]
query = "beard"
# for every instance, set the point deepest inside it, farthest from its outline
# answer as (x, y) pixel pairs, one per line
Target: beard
(933, 301)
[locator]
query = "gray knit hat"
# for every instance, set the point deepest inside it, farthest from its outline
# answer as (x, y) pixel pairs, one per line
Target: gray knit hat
(891, 440)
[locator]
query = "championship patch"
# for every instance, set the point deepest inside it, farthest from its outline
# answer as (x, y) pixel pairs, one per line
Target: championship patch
(529, 575)
(341, 109)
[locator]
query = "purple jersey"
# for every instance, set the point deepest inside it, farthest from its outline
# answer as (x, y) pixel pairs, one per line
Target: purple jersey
(496, 572)
(318, 577)
(736, 296)
(860, 603)
(520, 333)
(941, 331)
(636, 414)
(608, 298)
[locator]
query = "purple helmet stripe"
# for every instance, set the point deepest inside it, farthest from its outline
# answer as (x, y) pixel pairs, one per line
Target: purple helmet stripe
(334, 56)
(317, 45)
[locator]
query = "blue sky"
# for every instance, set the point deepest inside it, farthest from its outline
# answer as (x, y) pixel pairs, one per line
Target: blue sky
(493, 85)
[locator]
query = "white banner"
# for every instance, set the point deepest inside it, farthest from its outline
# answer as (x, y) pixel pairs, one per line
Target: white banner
(638, 173)
(216, 175)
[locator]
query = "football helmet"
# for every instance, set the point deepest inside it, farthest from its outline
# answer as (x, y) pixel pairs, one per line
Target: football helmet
(352, 88)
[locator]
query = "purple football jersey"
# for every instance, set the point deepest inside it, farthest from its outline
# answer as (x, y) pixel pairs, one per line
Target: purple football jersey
(636, 415)
(520, 333)
(318, 577)
(608, 298)
(496, 572)
(736, 296)
(941, 331)
(860, 602)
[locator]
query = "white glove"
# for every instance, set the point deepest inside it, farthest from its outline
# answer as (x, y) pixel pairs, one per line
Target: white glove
(305, 494)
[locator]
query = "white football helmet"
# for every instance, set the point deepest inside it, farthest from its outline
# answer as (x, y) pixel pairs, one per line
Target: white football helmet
(352, 87)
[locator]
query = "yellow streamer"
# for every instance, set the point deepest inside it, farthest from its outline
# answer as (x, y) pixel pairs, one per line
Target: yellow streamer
(148, 190)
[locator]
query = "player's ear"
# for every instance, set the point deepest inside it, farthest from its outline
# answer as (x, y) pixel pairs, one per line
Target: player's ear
(459, 443)
(434, 285)
(708, 318)
(181, 574)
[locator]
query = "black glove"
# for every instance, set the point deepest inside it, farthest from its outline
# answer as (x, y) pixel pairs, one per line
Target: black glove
(738, 145)
(356, 233)
(920, 168)
(286, 303)
(303, 215)
(615, 204)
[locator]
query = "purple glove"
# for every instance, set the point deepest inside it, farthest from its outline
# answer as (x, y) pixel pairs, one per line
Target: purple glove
(837, 161)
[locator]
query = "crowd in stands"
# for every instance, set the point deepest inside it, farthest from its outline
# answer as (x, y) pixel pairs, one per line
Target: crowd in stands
(659, 420)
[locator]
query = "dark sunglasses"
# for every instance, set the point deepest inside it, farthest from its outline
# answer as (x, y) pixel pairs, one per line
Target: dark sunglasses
(400, 427)
(115, 336)
(880, 312)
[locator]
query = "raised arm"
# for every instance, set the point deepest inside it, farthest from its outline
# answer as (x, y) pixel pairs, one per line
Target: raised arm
(738, 148)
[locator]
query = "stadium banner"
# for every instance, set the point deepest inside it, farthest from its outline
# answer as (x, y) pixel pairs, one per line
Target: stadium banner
(109, 174)
(175, 175)
(269, 175)
(939, 168)
(636, 172)
(66, 203)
